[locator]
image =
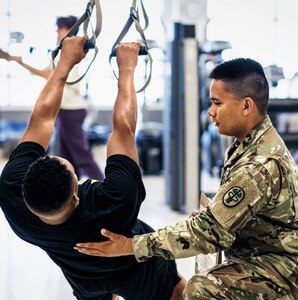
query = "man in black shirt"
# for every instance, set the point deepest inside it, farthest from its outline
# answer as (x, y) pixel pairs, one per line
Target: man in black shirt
(46, 206)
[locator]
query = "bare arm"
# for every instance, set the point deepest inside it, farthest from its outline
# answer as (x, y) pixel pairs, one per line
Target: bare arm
(122, 139)
(45, 111)
(46, 73)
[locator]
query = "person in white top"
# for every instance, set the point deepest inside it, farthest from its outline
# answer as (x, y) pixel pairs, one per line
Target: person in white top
(73, 143)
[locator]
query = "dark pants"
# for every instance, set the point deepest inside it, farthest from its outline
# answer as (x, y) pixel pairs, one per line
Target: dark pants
(154, 279)
(73, 144)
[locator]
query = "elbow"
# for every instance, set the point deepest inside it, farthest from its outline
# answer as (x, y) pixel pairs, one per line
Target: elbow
(124, 124)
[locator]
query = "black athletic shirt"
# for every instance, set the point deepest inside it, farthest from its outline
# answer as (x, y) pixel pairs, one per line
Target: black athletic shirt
(113, 204)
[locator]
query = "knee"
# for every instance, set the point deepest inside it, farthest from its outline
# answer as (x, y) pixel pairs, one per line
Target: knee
(198, 288)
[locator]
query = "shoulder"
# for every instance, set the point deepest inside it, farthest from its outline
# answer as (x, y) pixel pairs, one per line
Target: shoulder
(122, 164)
(123, 177)
(27, 149)
(123, 180)
(19, 161)
(24, 154)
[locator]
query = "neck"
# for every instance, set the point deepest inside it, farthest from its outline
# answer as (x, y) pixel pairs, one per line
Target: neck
(59, 218)
(251, 125)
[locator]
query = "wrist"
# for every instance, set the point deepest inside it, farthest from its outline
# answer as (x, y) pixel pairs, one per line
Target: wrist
(63, 69)
(126, 71)
(128, 246)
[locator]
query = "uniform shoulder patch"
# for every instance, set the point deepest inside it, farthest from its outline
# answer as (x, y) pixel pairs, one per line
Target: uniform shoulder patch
(234, 202)
(233, 196)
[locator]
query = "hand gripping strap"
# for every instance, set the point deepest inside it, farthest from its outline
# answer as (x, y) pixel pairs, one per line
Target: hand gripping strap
(85, 19)
(134, 18)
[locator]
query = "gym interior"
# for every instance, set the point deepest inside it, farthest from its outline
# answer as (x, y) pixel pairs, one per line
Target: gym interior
(180, 150)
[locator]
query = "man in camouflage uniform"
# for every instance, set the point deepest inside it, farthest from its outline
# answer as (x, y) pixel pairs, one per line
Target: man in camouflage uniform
(253, 216)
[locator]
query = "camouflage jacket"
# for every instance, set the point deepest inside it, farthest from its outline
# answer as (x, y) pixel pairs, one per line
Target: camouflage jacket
(253, 216)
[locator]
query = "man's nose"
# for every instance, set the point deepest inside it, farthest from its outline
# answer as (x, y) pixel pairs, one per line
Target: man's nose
(212, 111)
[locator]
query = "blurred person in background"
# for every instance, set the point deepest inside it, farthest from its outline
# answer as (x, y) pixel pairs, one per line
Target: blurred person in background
(72, 140)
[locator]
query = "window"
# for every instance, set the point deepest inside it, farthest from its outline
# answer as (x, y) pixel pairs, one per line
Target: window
(263, 30)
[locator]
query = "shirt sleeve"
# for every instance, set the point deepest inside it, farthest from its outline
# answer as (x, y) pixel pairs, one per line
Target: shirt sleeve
(246, 193)
(15, 169)
(119, 196)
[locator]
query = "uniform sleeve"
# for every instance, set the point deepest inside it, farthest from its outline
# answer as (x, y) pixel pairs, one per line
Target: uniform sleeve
(246, 193)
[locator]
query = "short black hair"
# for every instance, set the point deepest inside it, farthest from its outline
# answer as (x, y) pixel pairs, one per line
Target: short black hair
(244, 77)
(47, 185)
(67, 22)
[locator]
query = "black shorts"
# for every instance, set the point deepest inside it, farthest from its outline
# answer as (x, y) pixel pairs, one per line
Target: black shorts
(151, 280)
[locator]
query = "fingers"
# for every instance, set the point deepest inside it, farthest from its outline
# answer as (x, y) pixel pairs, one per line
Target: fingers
(127, 55)
(131, 46)
(109, 234)
(195, 213)
(94, 248)
(73, 50)
(117, 245)
(98, 249)
(90, 248)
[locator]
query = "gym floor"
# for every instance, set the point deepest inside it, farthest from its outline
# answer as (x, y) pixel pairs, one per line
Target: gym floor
(26, 272)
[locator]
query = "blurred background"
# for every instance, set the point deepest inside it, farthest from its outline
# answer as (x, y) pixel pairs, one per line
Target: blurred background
(181, 153)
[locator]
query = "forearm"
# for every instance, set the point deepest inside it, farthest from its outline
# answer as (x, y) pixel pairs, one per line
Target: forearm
(49, 100)
(125, 109)
(122, 138)
(42, 73)
(43, 117)
(47, 106)
(185, 239)
(164, 242)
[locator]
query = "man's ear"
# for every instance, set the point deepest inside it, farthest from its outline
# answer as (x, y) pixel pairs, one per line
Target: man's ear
(247, 105)
(75, 200)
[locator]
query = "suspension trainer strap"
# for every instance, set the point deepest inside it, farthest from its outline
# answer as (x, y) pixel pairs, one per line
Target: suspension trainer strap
(144, 50)
(85, 19)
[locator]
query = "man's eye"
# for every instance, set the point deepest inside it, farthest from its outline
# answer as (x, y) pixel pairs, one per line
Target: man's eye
(216, 103)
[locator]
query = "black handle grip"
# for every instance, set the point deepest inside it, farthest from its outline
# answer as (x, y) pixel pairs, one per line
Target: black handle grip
(90, 44)
(143, 51)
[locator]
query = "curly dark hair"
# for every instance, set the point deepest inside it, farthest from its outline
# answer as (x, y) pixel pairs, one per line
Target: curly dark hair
(244, 77)
(47, 185)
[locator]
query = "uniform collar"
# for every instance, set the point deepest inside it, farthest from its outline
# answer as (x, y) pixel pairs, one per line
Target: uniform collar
(238, 148)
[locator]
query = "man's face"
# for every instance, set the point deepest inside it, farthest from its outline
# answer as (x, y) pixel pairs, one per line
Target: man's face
(226, 111)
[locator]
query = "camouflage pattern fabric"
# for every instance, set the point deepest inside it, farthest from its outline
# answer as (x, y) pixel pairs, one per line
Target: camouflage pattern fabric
(253, 217)
(233, 281)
